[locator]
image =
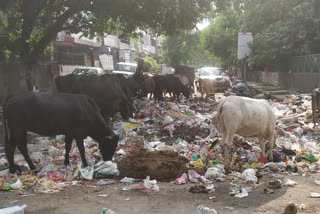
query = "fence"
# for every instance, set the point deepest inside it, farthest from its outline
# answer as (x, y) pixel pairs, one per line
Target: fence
(309, 63)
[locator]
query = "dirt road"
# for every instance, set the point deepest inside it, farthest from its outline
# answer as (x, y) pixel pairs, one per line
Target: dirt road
(171, 199)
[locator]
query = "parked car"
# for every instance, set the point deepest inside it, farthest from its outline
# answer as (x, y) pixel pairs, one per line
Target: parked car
(88, 71)
(125, 68)
(214, 73)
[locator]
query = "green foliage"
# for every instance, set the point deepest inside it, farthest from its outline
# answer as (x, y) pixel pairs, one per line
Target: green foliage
(148, 64)
(283, 29)
(220, 37)
(185, 48)
(33, 24)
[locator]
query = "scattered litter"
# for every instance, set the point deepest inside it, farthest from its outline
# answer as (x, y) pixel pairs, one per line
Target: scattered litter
(127, 180)
(290, 183)
(107, 211)
(205, 210)
(103, 195)
(103, 182)
(242, 194)
(314, 195)
(198, 189)
(16, 209)
(182, 180)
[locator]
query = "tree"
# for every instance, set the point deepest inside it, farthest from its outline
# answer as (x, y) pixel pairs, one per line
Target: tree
(148, 64)
(283, 29)
(33, 24)
(185, 48)
(220, 37)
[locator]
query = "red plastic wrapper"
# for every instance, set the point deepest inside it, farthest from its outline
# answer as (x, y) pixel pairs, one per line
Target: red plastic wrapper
(55, 176)
(180, 181)
(263, 160)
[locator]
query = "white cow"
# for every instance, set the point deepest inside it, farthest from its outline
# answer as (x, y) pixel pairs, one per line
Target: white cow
(246, 117)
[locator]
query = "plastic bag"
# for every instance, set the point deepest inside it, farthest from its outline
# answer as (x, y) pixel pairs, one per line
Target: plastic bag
(16, 209)
(127, 180)
(16, 185)
(283, 142)
(242, 194)
(5, 185)
(167, 120)
(46, 169)
(196, 178)
(86, 172)
(249, 175)
(311, 147)
(148, 186)
(106, 169)
(252, 157)
(214, 173)
(182, 180)
(290, 183)
(198, 163)
(54, 176)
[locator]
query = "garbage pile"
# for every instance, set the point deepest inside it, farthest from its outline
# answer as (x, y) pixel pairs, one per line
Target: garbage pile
(177, 141)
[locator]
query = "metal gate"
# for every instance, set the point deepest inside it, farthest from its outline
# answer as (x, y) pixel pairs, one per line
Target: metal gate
(309, 63)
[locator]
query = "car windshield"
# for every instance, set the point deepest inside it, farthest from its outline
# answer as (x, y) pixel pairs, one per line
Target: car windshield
(127, 68)
(84, 71)
(210, 71)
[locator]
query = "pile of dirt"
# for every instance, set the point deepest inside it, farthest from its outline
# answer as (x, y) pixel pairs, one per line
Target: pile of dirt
(159, 165)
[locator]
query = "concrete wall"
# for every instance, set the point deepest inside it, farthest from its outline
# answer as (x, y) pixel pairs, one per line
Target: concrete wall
(304, 81)
(12, 78)
(269, 78)
(12, 82)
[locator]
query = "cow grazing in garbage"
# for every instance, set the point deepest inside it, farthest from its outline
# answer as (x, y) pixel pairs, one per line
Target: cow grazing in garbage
(106, 90)
(315, 105)
(49, 114)
(148, 86)
(170, 84)
(131, 86)
(246, 117)
(207, 86)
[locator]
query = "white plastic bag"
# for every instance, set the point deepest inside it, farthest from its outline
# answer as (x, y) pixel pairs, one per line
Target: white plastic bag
(17, 185)
(214, 173)
(290, 183)
(249, 175)
(86, 172)
(107, 168)
(16, 209)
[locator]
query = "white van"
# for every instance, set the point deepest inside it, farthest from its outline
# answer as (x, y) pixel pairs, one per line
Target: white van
(125, 68)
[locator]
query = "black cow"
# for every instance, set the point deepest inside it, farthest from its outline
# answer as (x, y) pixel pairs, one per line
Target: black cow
(169, 84)
(106, 90)
(49, 114)
(131, 86)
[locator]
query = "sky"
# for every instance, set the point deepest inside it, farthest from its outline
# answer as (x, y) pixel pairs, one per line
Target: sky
(202, 25)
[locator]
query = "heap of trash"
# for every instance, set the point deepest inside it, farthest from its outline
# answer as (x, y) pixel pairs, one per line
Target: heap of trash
(176, 142)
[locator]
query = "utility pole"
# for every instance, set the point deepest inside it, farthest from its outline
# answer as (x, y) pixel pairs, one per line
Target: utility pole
(244, 31)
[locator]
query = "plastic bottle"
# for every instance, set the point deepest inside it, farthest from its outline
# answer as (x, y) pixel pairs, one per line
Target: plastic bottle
(206, 210)
(107, 211)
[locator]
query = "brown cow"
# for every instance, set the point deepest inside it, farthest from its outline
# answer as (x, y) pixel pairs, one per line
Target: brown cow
(315, 105)
(207, 86)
